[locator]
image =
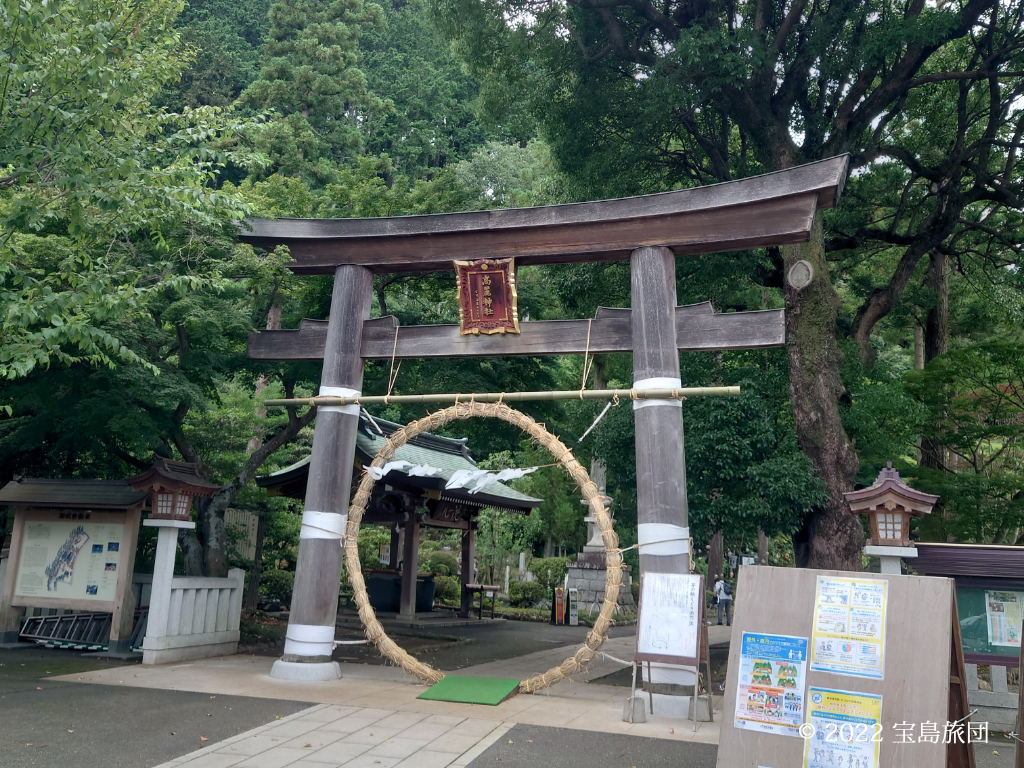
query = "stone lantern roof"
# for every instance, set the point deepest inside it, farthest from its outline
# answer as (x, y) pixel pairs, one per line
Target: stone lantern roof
(891, 492)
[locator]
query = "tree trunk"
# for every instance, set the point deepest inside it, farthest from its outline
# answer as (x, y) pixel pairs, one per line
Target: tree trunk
(715, 551)
(252, 587)
(762, 548)
(936, 343)
(936, 332)
(831, 537)
(273, 324)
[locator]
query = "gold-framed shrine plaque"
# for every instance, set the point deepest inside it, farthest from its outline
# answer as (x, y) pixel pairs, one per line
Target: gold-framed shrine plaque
(487, 296)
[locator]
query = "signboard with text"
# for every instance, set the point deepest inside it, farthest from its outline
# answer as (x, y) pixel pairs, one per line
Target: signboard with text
(670, 618)
(74, 557)
(487, 296)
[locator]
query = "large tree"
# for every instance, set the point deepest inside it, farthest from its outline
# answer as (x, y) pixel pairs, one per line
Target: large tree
(310, 77)
(636, 96)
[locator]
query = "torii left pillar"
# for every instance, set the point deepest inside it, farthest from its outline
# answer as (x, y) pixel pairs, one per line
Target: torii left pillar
(309, 641)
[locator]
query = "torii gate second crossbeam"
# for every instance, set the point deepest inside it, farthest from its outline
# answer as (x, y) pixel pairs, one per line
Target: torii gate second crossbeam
(773, 209)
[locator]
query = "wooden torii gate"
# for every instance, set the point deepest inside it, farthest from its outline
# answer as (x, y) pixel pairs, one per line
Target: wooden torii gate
(650, 231)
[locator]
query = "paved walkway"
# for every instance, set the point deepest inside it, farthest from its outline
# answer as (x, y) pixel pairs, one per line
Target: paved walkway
(372, 719)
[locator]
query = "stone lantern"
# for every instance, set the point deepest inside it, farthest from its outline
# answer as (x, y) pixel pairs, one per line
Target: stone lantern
(171, 486)
(889, 504)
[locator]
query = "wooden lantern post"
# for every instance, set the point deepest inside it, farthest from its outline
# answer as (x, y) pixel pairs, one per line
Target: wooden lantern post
(889, 504)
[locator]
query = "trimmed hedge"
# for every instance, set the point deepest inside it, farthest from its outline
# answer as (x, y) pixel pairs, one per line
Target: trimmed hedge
(550, 571)
(448, 589)
(277, 585)
(525, 594)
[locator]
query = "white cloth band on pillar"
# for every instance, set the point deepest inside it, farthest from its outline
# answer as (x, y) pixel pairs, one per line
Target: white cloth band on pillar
(659, 382)
(663, 539)
(322, 525)
(309, 640)
(352, 408)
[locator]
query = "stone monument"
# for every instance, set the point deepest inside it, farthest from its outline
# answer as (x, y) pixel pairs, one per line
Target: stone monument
(587, 574)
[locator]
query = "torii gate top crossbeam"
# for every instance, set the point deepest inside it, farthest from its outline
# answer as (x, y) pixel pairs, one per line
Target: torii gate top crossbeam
(772, 209)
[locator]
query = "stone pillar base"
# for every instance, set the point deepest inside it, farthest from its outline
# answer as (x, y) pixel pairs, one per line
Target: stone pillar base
(638, 705)
(296, 670)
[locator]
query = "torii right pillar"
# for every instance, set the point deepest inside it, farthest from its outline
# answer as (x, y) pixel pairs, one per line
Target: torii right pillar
(662, 531)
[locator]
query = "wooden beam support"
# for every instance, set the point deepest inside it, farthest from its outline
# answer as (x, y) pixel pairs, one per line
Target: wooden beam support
(310, 635)
(466, 571)
(698, 327)
(772, 209)
(410, 566)
(660, 467)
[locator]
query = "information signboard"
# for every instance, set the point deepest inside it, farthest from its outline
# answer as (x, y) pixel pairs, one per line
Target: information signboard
(849, 627)
(670, 618)
(990, 621)
(772, 680)
(70, 559)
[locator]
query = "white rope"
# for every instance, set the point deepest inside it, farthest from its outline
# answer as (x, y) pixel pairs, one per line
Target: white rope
(596, 421)
(608, 656)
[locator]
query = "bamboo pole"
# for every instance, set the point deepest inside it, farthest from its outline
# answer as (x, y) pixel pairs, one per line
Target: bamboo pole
(678, 393)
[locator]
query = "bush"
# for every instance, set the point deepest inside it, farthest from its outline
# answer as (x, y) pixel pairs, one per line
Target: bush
(524, 594)
(441, 563)
(550, 571)
(448, 589)
(277, 585)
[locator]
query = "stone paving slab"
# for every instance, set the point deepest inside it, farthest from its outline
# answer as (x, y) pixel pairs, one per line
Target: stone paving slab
(377, 737)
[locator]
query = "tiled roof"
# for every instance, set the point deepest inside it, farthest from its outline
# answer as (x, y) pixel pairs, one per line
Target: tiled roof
(445, 453)
(83, 494)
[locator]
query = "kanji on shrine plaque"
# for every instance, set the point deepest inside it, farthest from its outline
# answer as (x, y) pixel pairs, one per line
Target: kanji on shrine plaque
(487, 296)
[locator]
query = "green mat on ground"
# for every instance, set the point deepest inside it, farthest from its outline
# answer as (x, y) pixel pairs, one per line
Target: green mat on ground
(471, 690)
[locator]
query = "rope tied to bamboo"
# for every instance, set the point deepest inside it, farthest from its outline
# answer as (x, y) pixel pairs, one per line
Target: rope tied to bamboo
(373, 629)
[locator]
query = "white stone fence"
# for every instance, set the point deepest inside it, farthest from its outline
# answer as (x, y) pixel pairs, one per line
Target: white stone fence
(197, 619)
(997, 706)
(190, 617)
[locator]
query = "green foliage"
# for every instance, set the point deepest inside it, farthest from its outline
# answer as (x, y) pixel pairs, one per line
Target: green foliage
(448, 589)
(440, 563)
(549, 571)
(223, 39)
(431, 122)
(310, 76)
(277, 585)
(371, 539)
(525, 594)
(974, 400)
(95, 183)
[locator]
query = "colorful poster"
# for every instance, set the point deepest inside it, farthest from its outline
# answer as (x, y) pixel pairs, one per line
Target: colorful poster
(849, 627)
(69, 559)
(843, 729)
(770, 692)
(1003, 613)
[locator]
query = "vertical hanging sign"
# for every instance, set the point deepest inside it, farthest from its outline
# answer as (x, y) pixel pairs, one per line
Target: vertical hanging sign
(487, 296)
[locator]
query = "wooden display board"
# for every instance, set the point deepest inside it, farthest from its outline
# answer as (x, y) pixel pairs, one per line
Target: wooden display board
(82, 560)
(921, 677)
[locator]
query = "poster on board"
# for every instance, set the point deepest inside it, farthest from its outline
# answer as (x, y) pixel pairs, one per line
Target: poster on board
(848, 636)
(771, 683)
(670, 617)
(1004, 614)
(843, 729)
(70, 559)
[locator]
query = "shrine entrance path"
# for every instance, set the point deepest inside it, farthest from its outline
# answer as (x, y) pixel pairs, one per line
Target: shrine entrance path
(456, 648)
(46, 722)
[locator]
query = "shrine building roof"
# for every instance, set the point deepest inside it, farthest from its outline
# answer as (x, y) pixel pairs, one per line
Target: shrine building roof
(71, 493)
(447, 454)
